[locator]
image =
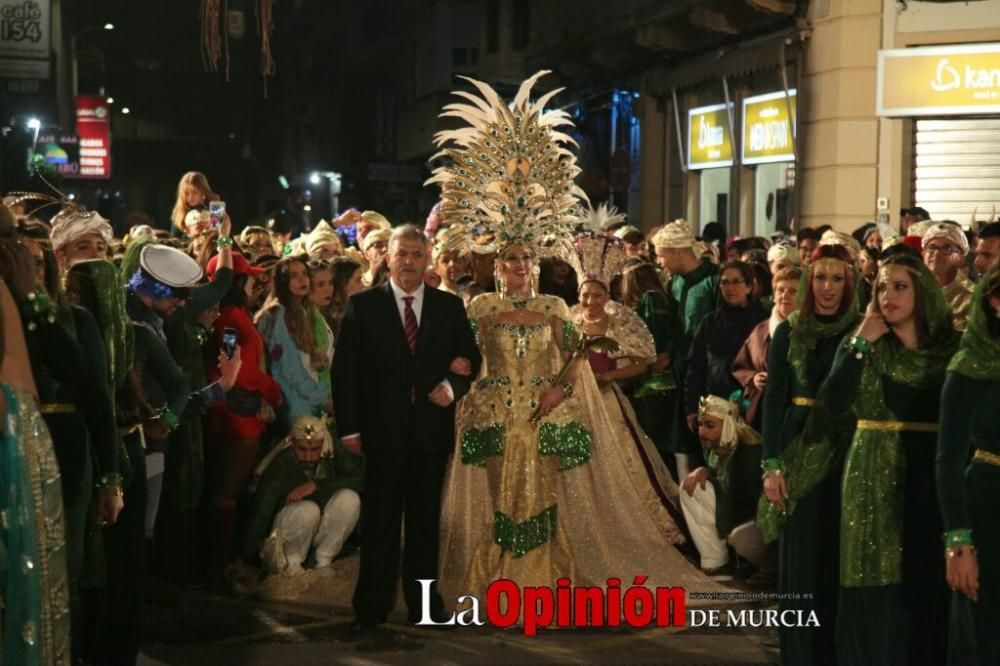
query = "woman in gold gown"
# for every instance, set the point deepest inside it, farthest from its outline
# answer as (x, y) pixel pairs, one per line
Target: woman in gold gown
(563, 496)
(529, 499)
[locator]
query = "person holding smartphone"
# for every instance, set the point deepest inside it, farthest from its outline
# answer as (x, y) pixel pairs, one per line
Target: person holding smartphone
(238, 424)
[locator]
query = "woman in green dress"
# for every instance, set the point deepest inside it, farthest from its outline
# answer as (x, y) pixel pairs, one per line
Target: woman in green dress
(892, 602)
(969, 492)
(801, 483)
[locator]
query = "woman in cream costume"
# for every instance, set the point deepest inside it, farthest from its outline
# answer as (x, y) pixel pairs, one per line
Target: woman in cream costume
(535, 500)
(597, 260)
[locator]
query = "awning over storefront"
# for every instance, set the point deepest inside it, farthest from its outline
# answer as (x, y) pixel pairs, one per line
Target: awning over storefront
(759, 54)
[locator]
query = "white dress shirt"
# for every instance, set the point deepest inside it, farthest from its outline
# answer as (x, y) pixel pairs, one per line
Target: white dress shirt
(418, 301)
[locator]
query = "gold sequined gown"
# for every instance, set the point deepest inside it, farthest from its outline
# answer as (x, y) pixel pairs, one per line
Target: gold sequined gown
(634, 341)
(533, 502)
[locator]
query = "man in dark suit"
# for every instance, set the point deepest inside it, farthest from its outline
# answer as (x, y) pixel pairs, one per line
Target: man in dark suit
(395, 401)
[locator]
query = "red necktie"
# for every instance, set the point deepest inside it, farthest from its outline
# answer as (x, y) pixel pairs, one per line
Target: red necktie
(410, 324)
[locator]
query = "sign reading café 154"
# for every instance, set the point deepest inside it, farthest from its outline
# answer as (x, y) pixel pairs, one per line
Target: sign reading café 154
(939, 80)
(709, 142)
(24, 29)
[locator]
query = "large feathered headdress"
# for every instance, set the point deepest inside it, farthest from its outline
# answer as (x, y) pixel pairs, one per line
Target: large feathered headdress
(510, 175)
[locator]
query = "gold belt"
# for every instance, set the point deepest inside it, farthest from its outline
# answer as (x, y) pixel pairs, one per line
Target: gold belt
(987, 457)
(800, 401)
(896, 426)
(58, 408)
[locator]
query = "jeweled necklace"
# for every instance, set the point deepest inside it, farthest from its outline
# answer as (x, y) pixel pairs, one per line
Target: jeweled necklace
(600, 322)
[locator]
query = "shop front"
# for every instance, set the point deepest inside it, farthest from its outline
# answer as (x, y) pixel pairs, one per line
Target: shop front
(710, 154)
(949, 100)
(768, 147)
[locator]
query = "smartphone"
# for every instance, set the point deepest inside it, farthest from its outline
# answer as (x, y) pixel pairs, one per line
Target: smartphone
(217, 213)
(229, 342)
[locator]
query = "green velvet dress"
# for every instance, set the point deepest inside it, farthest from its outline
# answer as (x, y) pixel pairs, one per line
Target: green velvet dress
(892, 607)
(969, 492)
(969, 495)
(891, 561)
(69, 371)
(797, 435)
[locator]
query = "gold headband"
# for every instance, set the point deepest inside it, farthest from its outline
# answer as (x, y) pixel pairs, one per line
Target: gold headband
(831, 262)
(886, 268)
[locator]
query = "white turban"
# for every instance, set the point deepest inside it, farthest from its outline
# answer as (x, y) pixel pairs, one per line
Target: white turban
(71, 224)
(675, 234)
(950, 232)
(374, 236)
(322, 234)
(678, 234)
(734, 429)
(784, 252)
(848, 242)
(919, 228)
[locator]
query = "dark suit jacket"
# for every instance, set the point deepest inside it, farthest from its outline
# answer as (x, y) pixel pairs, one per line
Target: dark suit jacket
(380, 389)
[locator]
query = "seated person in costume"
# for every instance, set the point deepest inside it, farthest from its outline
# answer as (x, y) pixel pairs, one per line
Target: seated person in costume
(308, 498)
(719, 500)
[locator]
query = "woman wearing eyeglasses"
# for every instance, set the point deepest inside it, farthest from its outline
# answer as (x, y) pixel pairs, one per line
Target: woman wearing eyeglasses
(719, 338)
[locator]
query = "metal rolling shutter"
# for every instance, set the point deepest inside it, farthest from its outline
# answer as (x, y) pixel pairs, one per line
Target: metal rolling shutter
(957, 168)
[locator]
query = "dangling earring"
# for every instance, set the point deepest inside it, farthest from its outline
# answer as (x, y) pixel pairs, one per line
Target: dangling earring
(536, 271)
(501, 285)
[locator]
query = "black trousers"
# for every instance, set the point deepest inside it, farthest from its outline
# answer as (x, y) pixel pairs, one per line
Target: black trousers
(410, 483)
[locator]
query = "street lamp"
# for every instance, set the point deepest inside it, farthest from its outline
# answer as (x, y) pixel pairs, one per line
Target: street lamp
(34, 124)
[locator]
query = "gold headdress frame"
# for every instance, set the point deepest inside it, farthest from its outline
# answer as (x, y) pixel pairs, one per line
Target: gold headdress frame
(508, 176)
(596, 258)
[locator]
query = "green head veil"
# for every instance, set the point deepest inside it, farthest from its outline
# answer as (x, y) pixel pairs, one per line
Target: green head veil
(978, 354)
